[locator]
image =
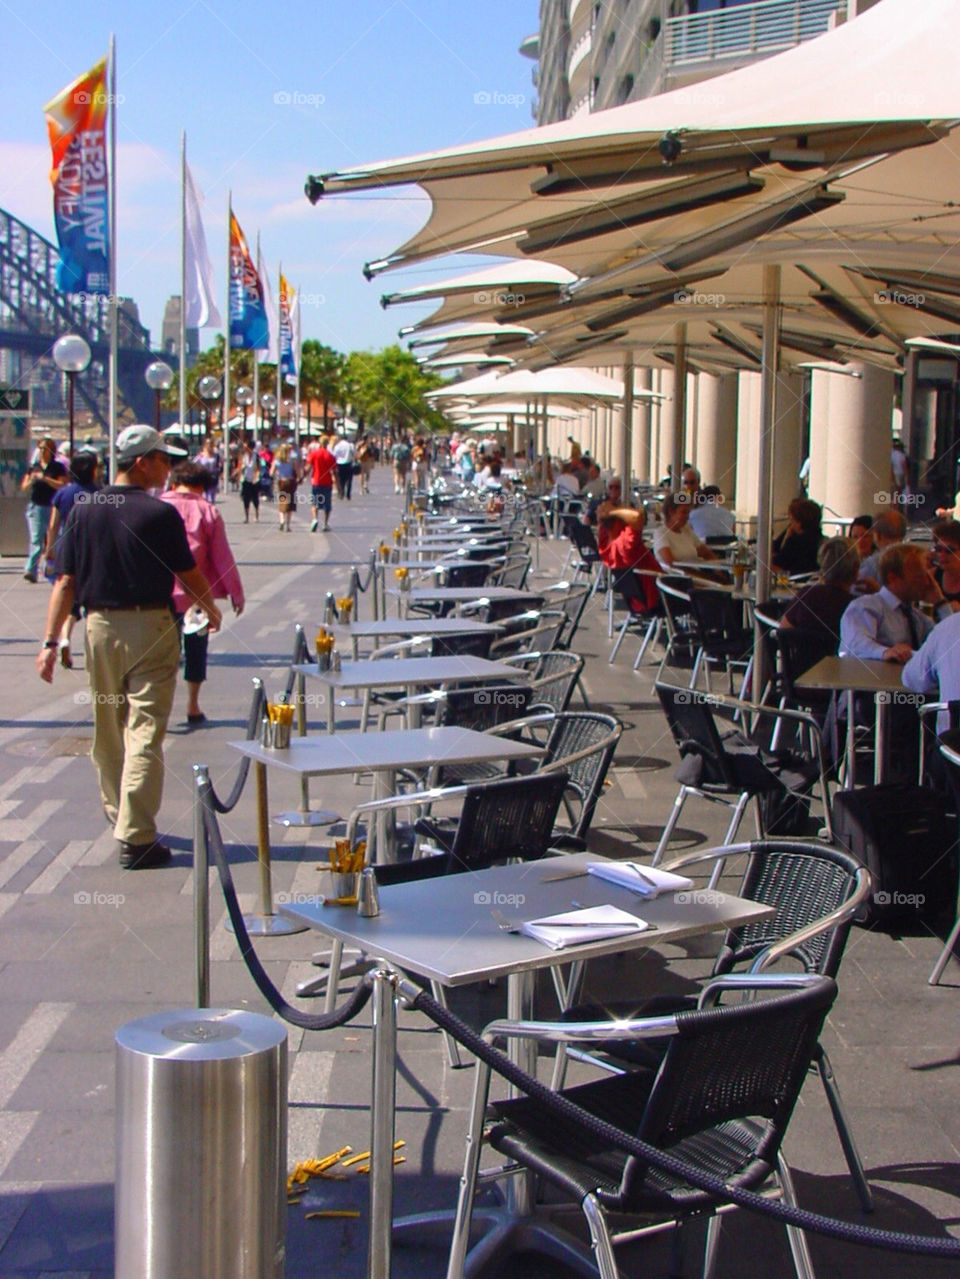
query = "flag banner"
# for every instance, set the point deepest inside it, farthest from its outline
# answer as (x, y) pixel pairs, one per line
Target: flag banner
(76, 126)
(200, 293)
(288, 354)
(248, 317)
(272, 343)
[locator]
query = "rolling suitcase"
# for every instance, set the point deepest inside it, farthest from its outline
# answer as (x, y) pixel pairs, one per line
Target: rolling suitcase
(907, 841)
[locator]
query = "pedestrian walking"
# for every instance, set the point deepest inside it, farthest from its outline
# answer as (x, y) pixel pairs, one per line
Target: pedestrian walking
(344, 453)
(248, 473)
(286, 472)
(46, 475)
(84, 483)
(207, 539)
(117, 559)
(323, 466)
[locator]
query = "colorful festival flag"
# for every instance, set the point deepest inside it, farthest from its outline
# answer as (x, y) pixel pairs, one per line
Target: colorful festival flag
(288, 354)
(76, 125)
(199, 288)
(249, 330)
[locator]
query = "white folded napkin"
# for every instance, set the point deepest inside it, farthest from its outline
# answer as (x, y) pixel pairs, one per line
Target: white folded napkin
(574, 927)
(645, 881)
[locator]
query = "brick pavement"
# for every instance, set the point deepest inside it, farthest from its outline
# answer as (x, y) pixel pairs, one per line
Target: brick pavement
(84, 948)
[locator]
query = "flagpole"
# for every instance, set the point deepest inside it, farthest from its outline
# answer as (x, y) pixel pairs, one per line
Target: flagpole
(182, 336)
(279, 338)
(226, 350)
(296, 394)
(114, 362)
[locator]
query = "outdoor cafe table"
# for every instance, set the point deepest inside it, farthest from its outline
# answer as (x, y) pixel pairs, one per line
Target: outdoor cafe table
(410, 627)
(442, 930)
(854, 675)
(409, 673)
(455, 594)
(380, 753)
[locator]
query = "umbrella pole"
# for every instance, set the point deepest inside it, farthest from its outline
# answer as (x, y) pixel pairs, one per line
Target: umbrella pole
(679, 407)
(625, 442)
(768, 414)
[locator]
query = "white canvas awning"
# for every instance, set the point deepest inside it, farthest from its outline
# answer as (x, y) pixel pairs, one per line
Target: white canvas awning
(883, 82)
(571, 385)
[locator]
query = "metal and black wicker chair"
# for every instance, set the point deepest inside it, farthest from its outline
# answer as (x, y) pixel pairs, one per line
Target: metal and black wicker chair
(816, 891)
(732, 769)
(721, 1102)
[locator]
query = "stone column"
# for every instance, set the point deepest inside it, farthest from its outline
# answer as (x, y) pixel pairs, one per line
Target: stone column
(643, 436)
(850, 430)
(716, 456)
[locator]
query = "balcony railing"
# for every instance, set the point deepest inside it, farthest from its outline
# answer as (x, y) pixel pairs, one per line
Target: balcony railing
(750, 30)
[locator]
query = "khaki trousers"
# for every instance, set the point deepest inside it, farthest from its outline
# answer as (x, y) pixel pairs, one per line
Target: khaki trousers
(132, 659)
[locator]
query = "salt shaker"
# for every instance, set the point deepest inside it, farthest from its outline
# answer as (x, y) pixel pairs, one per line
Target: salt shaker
(368, 896)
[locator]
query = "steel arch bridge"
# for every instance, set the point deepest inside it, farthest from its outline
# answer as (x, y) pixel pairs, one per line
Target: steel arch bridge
(34, 313)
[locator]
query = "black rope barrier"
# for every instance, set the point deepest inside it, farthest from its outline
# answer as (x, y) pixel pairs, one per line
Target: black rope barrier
(305, 1021)
(362, 586)
(564, 1109)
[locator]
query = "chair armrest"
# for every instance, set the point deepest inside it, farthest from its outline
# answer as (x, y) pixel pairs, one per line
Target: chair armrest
(711, 992)
(542, 718)
(596, 1032)
(858, 898)
(414, 799)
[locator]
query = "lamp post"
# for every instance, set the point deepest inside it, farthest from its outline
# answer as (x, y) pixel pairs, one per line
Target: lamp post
(268, 403)
(159, 377)
(210, 389)
(244, 397)
(71, 355)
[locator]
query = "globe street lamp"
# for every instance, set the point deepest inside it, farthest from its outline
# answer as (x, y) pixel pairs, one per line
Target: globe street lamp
(71, 355)
(268, 402)
(244, 397)
(159, 377)
(210, 389)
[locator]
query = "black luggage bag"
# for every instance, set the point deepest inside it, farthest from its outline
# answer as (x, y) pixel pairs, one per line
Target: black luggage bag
(908, 842)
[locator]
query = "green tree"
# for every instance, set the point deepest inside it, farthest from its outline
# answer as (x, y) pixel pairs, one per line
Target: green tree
(389, 386)
(321, 376)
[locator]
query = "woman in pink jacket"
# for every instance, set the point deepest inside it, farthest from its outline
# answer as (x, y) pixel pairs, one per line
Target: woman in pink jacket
(207, 537)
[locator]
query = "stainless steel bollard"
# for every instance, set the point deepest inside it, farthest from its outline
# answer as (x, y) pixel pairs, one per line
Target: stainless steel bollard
(201, 1146)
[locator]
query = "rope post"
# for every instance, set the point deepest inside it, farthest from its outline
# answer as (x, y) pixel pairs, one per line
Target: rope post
(201, 887)
(373, 583)
(353, 590)
(382, 1110)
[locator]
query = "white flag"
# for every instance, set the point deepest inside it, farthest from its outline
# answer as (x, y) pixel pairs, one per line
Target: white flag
(201, 303)
(273, 324)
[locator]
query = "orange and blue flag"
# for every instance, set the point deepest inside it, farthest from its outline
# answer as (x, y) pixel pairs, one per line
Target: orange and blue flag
(76, 125)
(249, 328)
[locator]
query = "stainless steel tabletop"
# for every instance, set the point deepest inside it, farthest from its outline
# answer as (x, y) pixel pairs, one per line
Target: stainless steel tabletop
(443, 929)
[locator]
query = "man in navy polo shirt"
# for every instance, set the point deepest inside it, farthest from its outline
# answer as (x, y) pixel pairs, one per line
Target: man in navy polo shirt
(118, 556)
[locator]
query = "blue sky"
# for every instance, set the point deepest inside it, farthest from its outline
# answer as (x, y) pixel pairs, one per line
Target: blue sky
(267, 93)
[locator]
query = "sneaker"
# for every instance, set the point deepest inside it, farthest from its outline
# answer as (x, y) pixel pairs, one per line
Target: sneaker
(313, 526)
(29, 577)
(143, 856)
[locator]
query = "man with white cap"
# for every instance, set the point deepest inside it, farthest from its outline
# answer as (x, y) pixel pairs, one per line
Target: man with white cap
(118, 556)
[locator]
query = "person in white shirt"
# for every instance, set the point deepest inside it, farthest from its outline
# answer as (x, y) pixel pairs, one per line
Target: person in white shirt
(935, 668)
(886, 626)
(674, 540)
(343, 452)
(709, 517)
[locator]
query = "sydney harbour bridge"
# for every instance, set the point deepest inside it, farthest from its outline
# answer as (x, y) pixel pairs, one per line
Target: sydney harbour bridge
(34, 313)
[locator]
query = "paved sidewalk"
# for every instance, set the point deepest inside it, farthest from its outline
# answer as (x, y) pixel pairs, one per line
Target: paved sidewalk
(86, 947)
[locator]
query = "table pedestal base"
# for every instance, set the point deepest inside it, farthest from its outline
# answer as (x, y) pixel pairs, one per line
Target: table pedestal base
(269, 926)
(506, 1235)
(317, 817)
(353, 964)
